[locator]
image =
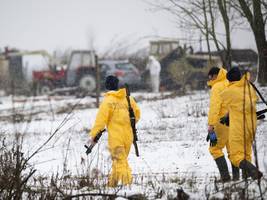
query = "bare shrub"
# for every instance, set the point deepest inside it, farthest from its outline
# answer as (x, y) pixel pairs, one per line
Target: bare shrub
(196, 110)
(15, 171)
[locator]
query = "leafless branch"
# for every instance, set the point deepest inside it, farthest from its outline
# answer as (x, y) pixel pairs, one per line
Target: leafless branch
(112, 196)
(64, 121)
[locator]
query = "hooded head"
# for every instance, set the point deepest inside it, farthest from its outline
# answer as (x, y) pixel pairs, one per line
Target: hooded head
(214, 71)
(112, 83)
(234, 74)
(216, 74)
(151, 57)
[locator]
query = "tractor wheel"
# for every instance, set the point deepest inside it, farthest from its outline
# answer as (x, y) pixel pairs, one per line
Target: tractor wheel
(87, 83)
(43, 89)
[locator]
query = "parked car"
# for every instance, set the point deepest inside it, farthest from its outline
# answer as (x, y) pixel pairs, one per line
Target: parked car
(125, 71)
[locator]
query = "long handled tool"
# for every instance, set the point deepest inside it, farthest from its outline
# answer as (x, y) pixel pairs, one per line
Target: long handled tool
(95, 140)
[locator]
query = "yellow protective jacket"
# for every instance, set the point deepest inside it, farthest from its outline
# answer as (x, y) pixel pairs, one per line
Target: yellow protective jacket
(217, 108)
(113, 114)
(240, 99)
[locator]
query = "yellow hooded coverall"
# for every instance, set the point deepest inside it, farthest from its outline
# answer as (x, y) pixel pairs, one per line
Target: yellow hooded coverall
(243, 119)
(114, 115)
(216, 111)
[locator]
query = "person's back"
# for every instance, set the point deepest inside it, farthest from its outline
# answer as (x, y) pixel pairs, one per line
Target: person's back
(114, 115)
(243, 102)
(118, 122)
(240, 98)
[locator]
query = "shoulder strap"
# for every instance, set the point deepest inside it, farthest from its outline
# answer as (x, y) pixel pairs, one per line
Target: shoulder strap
(258, 92)
(260, 113)
(128, 96)
(131, 112)
(132, 120)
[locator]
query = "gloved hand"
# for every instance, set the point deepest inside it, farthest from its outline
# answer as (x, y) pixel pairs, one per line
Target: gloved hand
(212, 138)
(225, 120)
(260, 117)
(91, 141)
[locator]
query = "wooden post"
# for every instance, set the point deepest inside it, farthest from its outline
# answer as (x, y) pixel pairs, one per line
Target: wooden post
(97, 81)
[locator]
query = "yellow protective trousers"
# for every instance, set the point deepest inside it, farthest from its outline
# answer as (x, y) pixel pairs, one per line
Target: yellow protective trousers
(240, 148)
(121, 171)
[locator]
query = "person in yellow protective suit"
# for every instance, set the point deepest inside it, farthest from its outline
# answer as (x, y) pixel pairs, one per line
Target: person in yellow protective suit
(240, 99)
(217, 109)
(113, 114)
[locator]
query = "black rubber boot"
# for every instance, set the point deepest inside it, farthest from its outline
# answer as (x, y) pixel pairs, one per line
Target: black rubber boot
(235, 173)
(223, 169)
(244, 174)
(250, 169)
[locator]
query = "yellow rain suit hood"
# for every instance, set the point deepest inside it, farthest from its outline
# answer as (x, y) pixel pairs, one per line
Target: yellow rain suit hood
(221, 77)
(113, 114)
(217, 109)
(240, 99)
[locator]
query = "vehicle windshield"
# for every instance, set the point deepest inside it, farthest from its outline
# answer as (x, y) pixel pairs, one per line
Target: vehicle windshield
(125, 66)
(79, 59)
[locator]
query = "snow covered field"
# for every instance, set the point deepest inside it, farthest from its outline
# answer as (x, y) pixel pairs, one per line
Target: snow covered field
(172, 139)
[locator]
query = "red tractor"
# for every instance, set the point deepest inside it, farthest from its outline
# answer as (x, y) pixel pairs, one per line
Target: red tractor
(79, 75)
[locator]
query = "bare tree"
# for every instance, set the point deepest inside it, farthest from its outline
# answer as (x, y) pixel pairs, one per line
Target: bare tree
(221, 7)
(202, 16)
(224, 9)
(255, 11)
(206, 26)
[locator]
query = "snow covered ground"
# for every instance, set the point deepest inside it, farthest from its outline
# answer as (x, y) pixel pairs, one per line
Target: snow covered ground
(172, 133)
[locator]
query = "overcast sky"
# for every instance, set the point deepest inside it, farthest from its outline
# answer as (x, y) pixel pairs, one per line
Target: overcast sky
(59, 24)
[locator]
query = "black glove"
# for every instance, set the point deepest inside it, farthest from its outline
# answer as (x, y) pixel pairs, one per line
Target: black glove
(212, 138)
(260, 117)
(225, 120)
